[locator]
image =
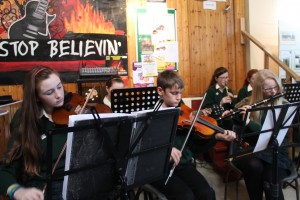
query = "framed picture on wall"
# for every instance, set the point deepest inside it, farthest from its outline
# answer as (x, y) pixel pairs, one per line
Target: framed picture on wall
(297, 59)
(286, 57)
(287, 37)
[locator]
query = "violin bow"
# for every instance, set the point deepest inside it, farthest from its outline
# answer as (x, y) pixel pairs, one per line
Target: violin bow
(193, 123)
(187, 137)
(87, 99)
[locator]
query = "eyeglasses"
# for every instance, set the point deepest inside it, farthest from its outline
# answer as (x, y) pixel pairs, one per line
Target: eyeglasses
(223, 78)
(276, 88)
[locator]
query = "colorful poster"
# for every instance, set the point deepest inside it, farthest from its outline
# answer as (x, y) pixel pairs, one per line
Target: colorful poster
(138, 79)
(64, 35)
(156, 36)
(149, 67)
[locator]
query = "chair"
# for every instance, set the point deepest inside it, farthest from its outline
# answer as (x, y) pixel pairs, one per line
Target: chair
(292, 178)
(233, 169)
(149, 192)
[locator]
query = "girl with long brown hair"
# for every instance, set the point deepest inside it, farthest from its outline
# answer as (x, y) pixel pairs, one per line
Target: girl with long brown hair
(23, 169)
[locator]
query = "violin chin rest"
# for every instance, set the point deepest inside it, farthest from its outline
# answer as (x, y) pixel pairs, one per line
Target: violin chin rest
(68, 107)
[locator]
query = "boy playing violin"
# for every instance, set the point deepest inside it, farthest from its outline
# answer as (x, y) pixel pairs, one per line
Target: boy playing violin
(186, 182)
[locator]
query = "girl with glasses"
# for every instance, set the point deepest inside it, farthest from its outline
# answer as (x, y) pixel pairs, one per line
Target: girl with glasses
(219, 97)
(257, 169)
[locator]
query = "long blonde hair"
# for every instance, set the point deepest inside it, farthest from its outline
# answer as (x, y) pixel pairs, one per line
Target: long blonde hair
(257, 93)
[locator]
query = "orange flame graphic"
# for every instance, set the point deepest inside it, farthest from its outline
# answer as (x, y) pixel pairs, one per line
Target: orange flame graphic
(86, 20)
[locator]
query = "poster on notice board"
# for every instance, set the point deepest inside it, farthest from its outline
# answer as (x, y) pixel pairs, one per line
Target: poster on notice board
(156, 37)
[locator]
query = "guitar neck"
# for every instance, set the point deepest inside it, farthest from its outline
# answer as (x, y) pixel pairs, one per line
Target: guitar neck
(41, 9)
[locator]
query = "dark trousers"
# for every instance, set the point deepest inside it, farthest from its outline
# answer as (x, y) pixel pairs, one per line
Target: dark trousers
(258, 175)
(186, 183)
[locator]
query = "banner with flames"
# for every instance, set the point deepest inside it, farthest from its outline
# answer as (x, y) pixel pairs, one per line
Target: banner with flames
(66, 35)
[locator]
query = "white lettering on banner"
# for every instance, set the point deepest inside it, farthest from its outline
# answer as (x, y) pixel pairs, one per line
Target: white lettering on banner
(103, 47)
(5, 51)
(34, 45)
(64, 48)
(60, 48)
(20, 48)
(73, 51)
(89, 45)
(53, 49)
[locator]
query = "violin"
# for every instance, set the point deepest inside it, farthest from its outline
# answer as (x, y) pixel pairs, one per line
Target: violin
(185, 121)
(75, 104)
(205, 126)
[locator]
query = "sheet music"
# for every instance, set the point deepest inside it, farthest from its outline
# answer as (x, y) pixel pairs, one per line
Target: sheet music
(283, 131)
(265, 137)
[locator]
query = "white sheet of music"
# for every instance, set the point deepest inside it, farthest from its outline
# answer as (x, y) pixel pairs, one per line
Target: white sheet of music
(264, 138)
(283, 131)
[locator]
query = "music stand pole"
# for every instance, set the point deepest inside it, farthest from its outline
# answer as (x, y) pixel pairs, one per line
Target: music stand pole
(274, 185)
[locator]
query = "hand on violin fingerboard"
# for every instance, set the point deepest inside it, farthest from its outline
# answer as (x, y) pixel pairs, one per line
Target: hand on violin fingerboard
(227, 135)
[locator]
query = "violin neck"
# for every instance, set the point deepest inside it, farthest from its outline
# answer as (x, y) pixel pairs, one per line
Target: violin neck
(210, 125)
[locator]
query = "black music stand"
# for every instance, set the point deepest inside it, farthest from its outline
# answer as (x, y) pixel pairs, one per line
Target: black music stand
(133, 99)
(113, 153)
(292, 92)
(275, 127)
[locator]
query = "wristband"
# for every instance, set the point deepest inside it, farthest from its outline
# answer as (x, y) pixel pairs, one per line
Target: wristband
(13, 190)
